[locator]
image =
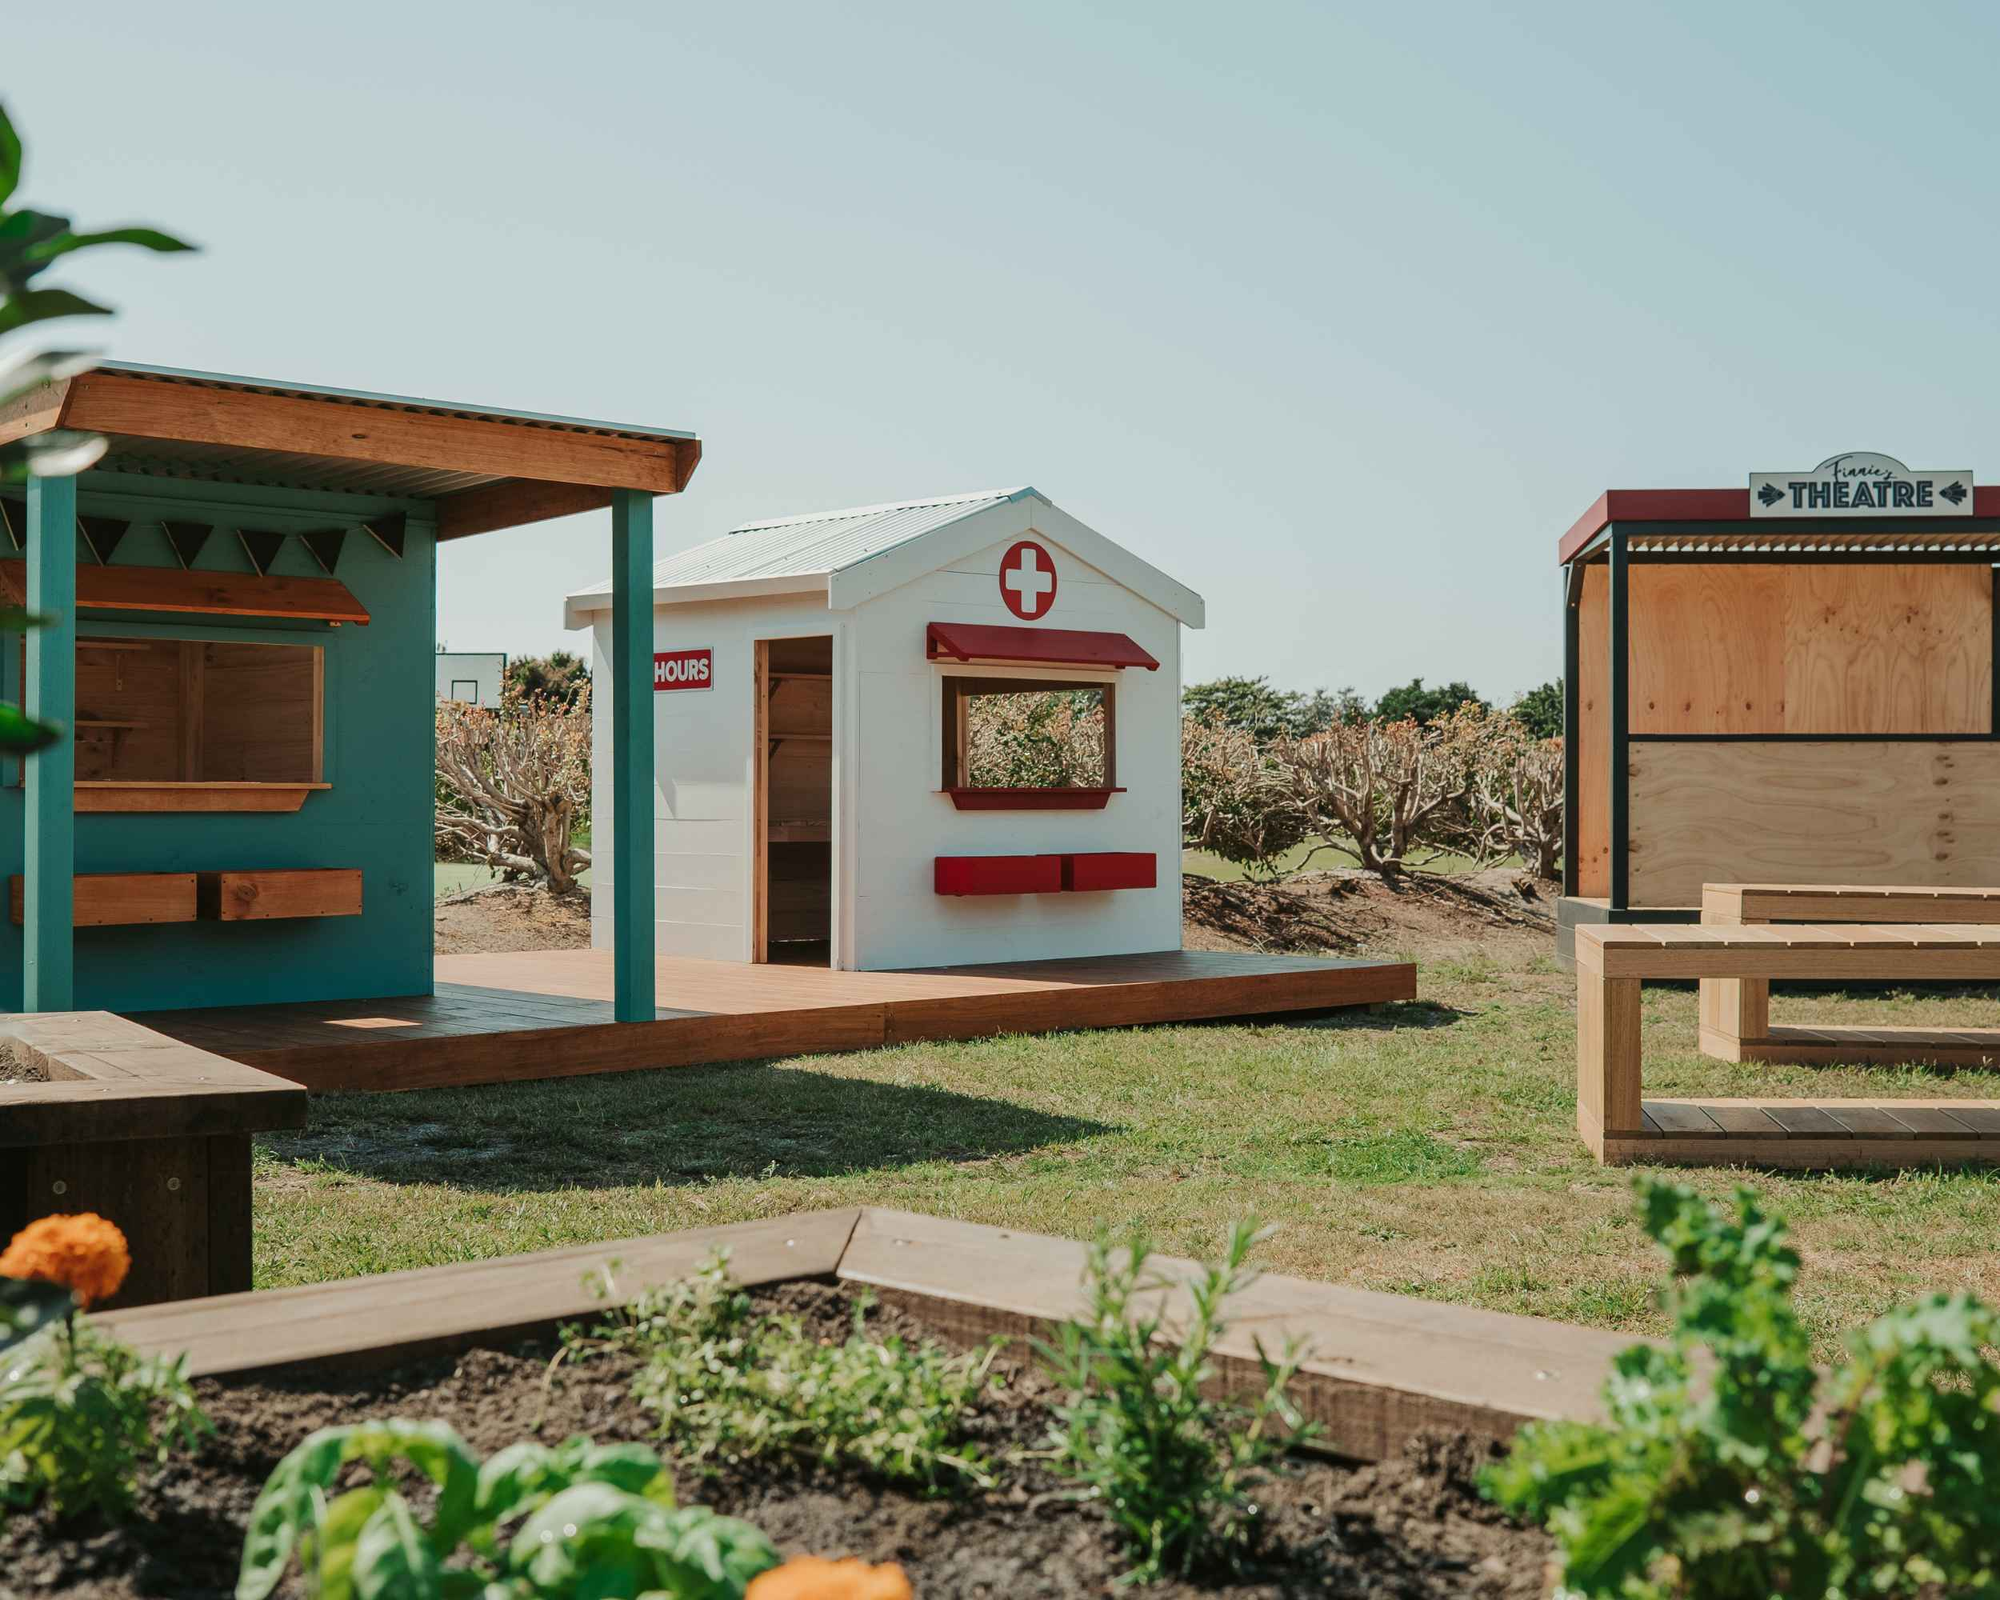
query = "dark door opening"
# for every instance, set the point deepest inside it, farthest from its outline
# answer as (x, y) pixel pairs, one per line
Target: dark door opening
(794, 877)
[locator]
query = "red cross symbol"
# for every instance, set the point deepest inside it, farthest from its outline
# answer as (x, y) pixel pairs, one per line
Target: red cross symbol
(1028, 580)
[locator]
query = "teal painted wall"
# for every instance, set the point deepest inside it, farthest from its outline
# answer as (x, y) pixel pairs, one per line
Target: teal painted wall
(379, 710)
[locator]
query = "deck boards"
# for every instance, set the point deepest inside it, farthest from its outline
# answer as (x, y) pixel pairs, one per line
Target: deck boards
(544, 1014)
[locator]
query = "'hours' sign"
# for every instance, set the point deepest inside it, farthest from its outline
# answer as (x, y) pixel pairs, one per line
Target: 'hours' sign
(1861, 484)
(683, 669)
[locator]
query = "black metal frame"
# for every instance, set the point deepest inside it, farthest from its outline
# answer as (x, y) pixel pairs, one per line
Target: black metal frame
(1614, 546)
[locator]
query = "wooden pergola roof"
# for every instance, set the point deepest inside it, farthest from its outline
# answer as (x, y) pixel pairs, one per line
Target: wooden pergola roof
(482, 468)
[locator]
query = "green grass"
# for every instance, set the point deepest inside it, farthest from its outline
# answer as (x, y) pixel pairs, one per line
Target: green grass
(1427, 1148)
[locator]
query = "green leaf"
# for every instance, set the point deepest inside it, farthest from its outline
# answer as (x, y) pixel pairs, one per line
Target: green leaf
(10, 156)
(26, 1305)
(145, 238)
(283, 1513)
(21, 734)
(334, 1540)
(392, 1558)
(711, 1557)
(45, 305)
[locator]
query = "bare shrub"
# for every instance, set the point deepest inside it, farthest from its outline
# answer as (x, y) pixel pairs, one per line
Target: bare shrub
(1390, 794)
(512, 786)
(1516, 805)
(1235, 799)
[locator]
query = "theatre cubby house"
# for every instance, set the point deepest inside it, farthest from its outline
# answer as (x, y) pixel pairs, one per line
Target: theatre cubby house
(939, 732)
(1791, 683)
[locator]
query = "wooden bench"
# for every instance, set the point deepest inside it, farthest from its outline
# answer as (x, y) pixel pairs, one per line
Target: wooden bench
(1736, 1012)
(1620, 1125)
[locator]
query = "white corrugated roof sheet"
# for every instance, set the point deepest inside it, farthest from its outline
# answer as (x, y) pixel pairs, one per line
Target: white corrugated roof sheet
(818, 544)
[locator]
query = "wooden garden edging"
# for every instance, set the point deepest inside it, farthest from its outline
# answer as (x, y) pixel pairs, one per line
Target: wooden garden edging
(145, 1130)
(1382, 1368)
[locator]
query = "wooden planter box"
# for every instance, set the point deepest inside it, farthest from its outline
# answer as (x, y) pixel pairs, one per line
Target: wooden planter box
(145, 1130)
(1382, 1368)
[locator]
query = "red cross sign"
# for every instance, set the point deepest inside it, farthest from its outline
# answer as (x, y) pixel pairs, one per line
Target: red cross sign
(1028, 580)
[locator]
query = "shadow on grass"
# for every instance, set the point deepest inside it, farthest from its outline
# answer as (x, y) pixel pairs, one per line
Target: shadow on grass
(687, 1126)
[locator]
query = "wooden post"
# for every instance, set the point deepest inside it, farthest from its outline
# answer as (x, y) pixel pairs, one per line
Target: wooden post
(1732, 1009)
(47, 904)
(1607, 1058)
(632, 783)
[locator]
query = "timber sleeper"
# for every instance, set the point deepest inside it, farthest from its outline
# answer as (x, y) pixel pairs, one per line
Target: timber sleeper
(1620, 1125)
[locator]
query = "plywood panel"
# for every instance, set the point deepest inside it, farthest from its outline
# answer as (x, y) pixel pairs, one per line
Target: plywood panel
(260, 713)
(1593, 733)
(1708, 648)
(1888, 649)
(1855, 812)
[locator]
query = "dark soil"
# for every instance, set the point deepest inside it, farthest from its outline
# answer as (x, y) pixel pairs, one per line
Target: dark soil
(1346, 910)
(1405, 1528)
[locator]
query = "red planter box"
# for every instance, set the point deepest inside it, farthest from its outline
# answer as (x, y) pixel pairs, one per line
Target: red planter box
(1111, 869)
(960, 875)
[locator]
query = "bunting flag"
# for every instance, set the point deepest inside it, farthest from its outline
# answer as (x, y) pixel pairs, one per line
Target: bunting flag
(187, 539)
(101, 535)
(262, 547)
(388, 531)
(325, 545)
(14, 520)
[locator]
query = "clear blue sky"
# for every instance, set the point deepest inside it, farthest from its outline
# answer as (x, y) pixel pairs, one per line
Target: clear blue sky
(1340, 314)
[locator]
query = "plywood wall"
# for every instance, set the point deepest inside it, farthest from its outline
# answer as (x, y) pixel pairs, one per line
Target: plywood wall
(1593, 735)
(1804, 812)
(1722, 648)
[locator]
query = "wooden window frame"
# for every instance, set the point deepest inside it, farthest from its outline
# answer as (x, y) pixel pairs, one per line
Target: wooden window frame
(958, 688)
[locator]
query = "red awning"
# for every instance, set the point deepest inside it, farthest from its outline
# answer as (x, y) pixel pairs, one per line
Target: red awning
(1042, 647)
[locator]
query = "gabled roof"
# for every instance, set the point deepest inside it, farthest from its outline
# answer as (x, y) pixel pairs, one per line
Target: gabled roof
(851, 556)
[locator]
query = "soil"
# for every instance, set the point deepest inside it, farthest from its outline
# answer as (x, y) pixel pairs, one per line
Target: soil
(1415, 1526)
(1345, 910)
(1334, 912)
(512, 917)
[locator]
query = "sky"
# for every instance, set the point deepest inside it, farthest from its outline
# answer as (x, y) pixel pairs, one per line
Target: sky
(1338, 314)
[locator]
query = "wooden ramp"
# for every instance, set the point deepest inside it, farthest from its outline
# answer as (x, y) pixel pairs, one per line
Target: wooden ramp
(547, 1013)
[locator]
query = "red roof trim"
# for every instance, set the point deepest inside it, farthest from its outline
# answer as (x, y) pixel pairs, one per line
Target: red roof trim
(1048, 647)
(1694, 505)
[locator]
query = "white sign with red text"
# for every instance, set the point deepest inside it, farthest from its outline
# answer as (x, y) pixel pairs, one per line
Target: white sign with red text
(683, 669)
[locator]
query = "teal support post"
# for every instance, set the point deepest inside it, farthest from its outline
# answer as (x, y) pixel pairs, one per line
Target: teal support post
(632, 754)
(48, 892)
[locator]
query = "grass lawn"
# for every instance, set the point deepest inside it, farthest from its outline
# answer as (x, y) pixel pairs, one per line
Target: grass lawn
(1318, 856)
(1427, 1149)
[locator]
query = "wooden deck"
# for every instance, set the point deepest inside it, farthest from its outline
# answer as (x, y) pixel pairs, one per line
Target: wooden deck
(547, 1014)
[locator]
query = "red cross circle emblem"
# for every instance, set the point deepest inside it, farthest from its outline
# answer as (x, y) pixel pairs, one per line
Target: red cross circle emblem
(1028, 580)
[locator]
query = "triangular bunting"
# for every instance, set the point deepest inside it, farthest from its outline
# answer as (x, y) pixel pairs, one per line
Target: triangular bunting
(14, 521)
(102, 535)
(388, 530)
(187, 538)
(261, 546)
(325, 543)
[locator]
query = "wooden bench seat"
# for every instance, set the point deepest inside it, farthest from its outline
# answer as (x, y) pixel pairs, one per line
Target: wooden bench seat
(1620, 1125)
(1736, 1012)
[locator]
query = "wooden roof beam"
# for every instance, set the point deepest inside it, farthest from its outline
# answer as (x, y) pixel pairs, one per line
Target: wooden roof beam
(124, 405)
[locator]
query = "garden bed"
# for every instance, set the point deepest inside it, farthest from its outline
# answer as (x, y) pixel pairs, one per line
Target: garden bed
(1413, 1525)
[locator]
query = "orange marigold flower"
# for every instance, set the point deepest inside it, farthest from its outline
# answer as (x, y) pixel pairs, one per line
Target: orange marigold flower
(816, 1578)
(85, 1253)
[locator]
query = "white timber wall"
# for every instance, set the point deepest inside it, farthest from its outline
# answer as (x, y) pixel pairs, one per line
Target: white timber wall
(894, 821)
(703, 769)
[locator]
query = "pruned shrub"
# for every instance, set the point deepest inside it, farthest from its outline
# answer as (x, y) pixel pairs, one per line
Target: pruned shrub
(513, 786)
(1235, 801)
(1391, 794)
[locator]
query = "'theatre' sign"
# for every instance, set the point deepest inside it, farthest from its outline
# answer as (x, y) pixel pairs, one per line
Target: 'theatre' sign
(1861, 485)
(683, 669)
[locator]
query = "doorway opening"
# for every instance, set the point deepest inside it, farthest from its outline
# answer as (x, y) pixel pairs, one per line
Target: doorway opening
(794, 801)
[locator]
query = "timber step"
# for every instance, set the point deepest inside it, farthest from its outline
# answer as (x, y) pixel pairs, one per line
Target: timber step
(125, 899)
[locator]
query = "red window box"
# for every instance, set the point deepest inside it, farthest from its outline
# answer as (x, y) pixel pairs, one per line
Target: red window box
(1111, 869)
(1031, 799)
(961, 875)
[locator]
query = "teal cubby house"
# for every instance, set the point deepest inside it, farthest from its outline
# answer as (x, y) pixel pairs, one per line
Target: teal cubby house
(239, 603)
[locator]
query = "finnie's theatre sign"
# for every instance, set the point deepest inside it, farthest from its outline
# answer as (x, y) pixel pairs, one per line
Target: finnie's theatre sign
(1861, 484)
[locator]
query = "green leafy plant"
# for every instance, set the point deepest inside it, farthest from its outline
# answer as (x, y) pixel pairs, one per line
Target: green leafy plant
(731, 1383)
(1141, 1432)
(1731, 1466)
(28, 1307)
(566, 1522)
(30, 243)
(81, 1413)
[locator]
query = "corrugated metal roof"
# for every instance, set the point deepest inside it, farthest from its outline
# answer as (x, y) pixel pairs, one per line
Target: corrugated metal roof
(819, 544)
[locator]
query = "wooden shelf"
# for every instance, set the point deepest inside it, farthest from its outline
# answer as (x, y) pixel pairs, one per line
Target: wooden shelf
(102, 796)
(105, 722)
(1031, 799)
(802, 677)
(220, 594)
(800, 833)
